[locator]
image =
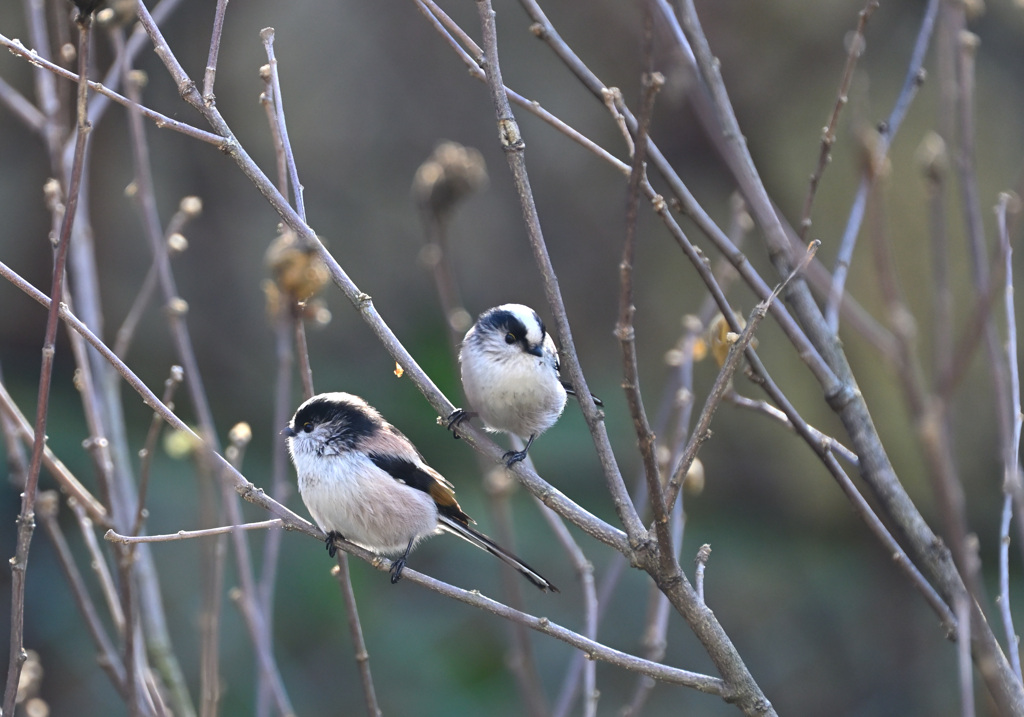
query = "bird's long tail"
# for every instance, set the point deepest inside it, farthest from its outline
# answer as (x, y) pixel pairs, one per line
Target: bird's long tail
(484, 543)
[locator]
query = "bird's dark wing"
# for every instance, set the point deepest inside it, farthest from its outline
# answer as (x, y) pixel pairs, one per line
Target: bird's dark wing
(420, 476)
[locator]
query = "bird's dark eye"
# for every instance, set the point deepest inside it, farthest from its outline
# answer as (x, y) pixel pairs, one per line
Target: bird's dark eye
(510, 338)
(307, 427)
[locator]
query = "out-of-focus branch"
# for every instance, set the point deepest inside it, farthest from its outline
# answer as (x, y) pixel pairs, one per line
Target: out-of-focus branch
(1011, 451)
(911, 83)
(46, 508)
(68, 483)
(26, 518)
(342, 573)
(828, 136)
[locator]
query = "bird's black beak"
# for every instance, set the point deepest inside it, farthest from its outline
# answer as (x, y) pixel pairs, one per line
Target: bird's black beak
(288, 431)
(537, 350)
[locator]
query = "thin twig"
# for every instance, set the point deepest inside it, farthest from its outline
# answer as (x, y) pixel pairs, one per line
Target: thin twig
(280, 487)
(115, 537)
(828, 135)
(26, 518)
(624, 330)
(160, 120)
(22, 108)
(911, 83)
(342, 573)
(188, 209)
(498, 484)
(211, 62)
(592, 649)
(927, 412)
(1011, 452)
(68, 483)
(512, 144)
(267, 34)
(591, 602)
(701, 431)
(170, 385)
(775, 414)
(46, 509)
(703, 555)
(659, 612)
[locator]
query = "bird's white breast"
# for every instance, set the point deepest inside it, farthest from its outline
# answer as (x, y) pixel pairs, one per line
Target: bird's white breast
(348, 494)
(523, 396)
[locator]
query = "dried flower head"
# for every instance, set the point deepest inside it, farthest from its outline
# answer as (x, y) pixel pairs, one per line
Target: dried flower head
(296, 269)
(450, 174)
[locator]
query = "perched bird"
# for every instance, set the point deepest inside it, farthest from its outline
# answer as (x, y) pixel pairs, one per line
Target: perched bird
(510, 375)
(362, 480)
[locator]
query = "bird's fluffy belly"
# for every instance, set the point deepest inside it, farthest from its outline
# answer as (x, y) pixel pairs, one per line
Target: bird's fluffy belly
(526, 399)
(352, 496)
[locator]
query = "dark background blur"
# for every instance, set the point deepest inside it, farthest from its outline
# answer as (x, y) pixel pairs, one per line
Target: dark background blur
(825, 622)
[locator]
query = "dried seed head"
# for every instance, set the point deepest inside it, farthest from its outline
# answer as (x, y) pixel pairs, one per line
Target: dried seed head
(450, 174)
(297, 270)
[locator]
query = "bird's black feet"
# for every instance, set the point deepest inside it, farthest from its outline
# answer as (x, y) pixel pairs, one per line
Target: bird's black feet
(398, 565)
(332, 548)
(511, 457)
(396, 569)
(515, 456)
(456, 418)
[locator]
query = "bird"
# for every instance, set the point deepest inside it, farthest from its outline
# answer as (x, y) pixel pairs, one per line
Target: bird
(362, 480)
(509, 366)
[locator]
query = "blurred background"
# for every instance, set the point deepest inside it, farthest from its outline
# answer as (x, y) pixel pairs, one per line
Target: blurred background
(826, 623)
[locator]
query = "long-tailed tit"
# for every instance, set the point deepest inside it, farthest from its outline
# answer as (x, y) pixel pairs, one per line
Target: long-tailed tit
(510, 376)
(362, 480)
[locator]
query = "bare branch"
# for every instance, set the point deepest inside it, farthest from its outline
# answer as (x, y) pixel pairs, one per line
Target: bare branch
(26, 519)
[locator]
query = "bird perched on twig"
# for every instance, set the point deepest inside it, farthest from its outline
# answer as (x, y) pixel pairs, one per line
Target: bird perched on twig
(364, 481)
(510, 375)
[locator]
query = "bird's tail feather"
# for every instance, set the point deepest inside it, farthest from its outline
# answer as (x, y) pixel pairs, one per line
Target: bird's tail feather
(484, 543)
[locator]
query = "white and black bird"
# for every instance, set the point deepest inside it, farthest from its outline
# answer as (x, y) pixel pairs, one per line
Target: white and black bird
(362, 480)
(510, 376)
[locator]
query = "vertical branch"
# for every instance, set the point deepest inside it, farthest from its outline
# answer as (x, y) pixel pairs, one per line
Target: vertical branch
(26, 518)
(267, 34)
(965, 158)
(514, 147)
(341, 572)
(211, 62)
(911, 82)
(651, 82)
(156, 423)
(110, 661)
(1011, 451)
(498, 484)
(828, 136)
(934, 164)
